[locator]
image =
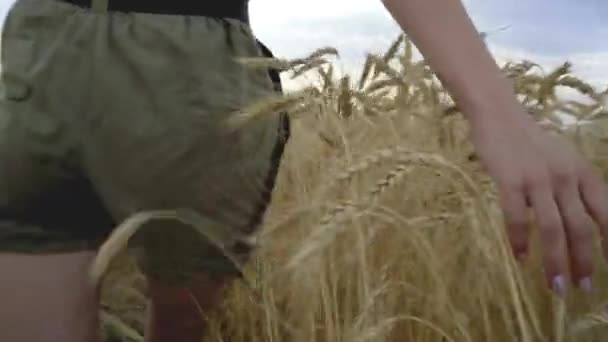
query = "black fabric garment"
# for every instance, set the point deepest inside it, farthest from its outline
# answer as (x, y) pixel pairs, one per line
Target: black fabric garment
(234, 9)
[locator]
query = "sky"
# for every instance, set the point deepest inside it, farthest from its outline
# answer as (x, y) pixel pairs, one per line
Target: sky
(546, 31)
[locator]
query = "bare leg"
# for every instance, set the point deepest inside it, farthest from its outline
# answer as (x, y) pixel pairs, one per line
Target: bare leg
(177, 314)
(47, 298)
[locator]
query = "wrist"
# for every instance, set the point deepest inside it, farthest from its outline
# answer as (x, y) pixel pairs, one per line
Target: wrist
(490, 102)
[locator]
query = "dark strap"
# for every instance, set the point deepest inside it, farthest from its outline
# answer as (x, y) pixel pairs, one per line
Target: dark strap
(229, 9)
(277, 153)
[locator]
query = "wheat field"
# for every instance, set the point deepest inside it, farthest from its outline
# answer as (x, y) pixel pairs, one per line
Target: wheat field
(383, 226)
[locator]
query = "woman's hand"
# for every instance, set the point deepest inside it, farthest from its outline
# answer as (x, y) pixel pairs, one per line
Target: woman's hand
(532, 168)
(536, 170)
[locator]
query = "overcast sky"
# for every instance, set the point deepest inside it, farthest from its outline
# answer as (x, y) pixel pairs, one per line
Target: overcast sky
(547, 31)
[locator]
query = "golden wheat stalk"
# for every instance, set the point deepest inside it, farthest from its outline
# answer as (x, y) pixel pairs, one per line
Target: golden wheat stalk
(380, 66)
(393, 49)
(408, 56)
(588, 322)
(313, 64)
(517, 70)
(116, 325)
(119, 239)
(546, 91)
(383, 84)
(389, 181)
(387, 323)
(577, 84)
(345, 105)
(321, 52)
(327, 230)
(265, 63)
(366, 72)
(371, 106)
(366, 163)
(315, 55)
(324, 235)
(273, 105)
(327, 80)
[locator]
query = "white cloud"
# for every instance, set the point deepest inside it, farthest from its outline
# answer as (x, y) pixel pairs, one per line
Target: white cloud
(276, 11)
(293, 28)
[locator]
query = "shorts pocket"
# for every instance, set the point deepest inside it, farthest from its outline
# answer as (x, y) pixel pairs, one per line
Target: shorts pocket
(17, 52)
(16, 61)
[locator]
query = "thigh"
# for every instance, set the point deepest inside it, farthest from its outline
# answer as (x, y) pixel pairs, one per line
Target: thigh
(47, 298)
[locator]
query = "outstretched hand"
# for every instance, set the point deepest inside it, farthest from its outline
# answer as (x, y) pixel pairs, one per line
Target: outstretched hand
(532, 169)
(536, 170)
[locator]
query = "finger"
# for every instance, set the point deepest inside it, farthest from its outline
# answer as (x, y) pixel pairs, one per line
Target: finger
(516, 219)
(579, 232)
(594, 193)
(552, 234)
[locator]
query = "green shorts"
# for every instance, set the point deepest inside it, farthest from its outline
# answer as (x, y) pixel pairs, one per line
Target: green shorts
(104, 115)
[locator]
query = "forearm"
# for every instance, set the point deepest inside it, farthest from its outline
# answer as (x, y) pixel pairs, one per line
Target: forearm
(445, 35)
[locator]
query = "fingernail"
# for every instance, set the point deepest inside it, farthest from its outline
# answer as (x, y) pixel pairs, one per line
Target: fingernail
(559, 285)
(585, 284)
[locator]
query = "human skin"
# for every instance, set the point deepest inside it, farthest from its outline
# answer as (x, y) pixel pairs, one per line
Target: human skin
(531, 168)
(45, 295)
